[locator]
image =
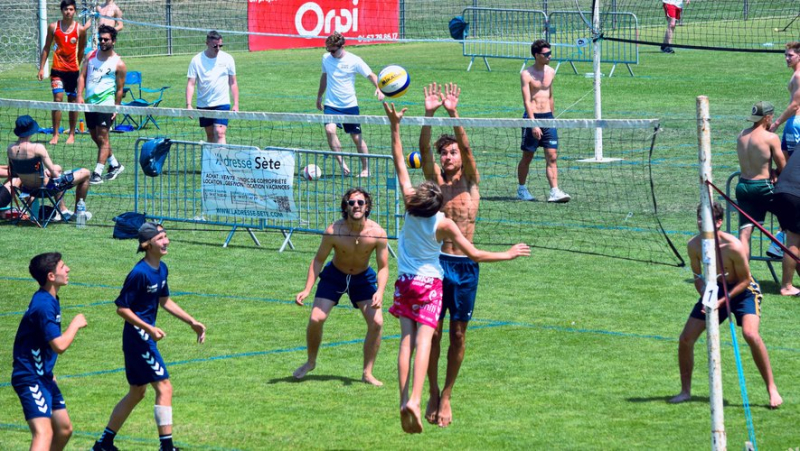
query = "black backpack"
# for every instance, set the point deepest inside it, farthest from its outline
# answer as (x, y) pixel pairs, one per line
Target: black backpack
(127, 225)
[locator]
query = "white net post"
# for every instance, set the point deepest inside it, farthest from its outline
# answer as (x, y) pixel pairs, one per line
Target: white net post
(718, 439)
(598, 98)
(43, 34)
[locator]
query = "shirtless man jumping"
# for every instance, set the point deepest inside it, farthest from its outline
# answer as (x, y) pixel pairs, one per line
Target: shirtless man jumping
(353, 239)
(537, 97)
(757, 148)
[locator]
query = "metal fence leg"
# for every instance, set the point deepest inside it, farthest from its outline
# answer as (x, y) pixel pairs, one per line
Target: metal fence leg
(470, 63)
(630, 69)
(575, 69)
(230, 235)
(611, 74)
(287, 240)
(486, 61)
(253, 236)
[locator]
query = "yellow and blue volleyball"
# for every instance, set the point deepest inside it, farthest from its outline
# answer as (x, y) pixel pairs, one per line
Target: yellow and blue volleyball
(414, 160)
(393, 81)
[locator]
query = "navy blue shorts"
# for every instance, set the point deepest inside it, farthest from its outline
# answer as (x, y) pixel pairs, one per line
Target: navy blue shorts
(334, 283)
(459, 286)
(353, 129)
(143, 362)
(787, 207)
(549, 138)
(39, 397)
(207, 121)
(747, 303)
(791, 135)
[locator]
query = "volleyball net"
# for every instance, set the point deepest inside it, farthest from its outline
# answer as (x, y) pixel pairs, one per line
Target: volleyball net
(613, 210)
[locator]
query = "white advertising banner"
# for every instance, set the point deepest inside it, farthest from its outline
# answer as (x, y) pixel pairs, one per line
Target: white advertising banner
(248, 182)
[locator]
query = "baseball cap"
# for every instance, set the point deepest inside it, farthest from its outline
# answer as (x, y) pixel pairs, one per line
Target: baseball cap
(147, 231)
(760, 109)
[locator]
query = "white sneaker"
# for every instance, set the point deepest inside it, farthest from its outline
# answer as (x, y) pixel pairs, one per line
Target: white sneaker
(558, 196)
(523, 194)
(66, 215)
(774, 250)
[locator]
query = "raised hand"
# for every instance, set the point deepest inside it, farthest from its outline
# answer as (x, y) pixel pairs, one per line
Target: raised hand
(391, 112)
(520, 250)
(433, 97)
(450, 97)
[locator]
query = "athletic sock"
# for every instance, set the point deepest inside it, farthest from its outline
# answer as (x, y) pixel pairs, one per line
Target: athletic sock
(98, 169)
(166, 442)
(112, 161)
(108, 437)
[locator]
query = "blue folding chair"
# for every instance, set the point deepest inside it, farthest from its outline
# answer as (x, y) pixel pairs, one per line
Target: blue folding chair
(134, 78)
(48, 194)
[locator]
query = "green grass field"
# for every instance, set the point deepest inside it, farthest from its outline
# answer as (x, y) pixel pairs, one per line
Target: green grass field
(566, 351)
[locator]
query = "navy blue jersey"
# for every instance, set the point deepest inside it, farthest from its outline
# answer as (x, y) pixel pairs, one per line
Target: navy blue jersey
(41, 323)
(142, 289)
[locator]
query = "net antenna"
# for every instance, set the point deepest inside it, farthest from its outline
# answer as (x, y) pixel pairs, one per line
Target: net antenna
(791, 22)
(710, 272)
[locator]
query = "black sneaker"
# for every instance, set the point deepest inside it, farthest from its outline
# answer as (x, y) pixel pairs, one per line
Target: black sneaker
(102, 447)
(95, 179)
(114, 171)
(667, 49)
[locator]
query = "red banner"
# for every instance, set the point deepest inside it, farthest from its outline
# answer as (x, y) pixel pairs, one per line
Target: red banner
(313, 21)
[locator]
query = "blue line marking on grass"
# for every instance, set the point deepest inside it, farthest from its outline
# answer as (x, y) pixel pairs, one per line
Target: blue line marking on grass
(123, 438)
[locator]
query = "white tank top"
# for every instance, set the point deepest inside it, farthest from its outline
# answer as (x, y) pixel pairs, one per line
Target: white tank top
(418, 250)
(101, 80)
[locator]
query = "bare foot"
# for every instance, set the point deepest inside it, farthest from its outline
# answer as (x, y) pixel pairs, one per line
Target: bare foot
(71, 138)
(682, 397)
(303, 370)
(790, 292)
(364, 174)
(370, 379)
(54, 141)
(405, 420)
(433, 407)
(346, 170)
(775, 399)
(411, 417)
(445, 414)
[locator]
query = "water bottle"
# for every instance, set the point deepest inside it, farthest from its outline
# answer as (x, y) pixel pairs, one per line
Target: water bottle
(80, 215)
(81, 126)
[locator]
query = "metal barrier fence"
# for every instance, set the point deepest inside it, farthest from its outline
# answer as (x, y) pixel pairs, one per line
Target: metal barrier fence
(758, 242)
(502, 33)
(571, 39)
(508, 33)
(177, 194)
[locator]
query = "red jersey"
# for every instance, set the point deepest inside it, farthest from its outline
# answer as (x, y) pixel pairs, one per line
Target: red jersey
(65, 48)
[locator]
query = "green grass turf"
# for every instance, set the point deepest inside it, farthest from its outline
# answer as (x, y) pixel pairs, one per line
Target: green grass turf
(567, 351)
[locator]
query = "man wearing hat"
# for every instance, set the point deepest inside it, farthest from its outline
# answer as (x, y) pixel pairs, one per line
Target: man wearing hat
(24, 149)
(144, 290)
(757, 148)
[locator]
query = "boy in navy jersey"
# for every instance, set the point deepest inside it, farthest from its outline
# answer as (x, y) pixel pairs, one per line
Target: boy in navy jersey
(36, 347)
(144, 290)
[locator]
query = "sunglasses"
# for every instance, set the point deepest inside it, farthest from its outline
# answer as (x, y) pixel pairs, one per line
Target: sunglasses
(217, 46)
(104, 39)
(352, 202)
(546, 54)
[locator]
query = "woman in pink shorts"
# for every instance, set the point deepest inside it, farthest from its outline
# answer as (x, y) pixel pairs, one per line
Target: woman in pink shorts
(418, 290)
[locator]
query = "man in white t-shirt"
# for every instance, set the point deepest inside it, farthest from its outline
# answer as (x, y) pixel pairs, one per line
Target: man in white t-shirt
(213, 72)
(338, 84)
(672, 9)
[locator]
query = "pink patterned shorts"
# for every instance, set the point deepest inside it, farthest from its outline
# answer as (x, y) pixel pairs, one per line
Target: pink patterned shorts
(418, 298)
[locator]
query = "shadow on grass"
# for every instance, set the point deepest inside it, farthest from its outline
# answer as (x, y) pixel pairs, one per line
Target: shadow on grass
(693, 399)
(315, 378)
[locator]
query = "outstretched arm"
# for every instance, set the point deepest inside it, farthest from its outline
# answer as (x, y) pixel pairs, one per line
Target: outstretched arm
(432, 102)
(374, 79)
(448, 230)
(397, 149)
(794, 105)
(468, 166)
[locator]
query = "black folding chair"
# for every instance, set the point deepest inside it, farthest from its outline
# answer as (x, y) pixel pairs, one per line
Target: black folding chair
(49, 195)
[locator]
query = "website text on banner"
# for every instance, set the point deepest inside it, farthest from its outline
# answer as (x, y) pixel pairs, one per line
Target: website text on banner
(247, 182)
(366, 19)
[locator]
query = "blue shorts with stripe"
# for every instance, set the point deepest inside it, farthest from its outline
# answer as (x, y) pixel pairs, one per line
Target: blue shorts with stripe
(143, 362)
(459, 286)
(39, 397)
(333, 283)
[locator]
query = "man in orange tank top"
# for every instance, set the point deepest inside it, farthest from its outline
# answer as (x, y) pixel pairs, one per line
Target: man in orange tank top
(67, 39)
